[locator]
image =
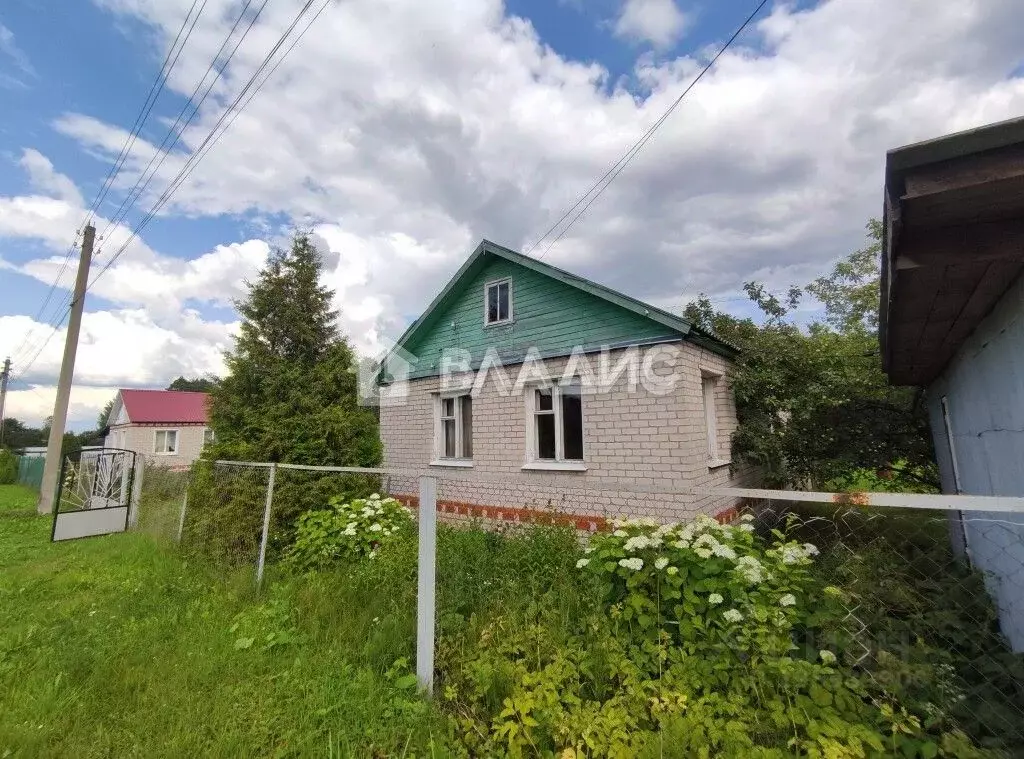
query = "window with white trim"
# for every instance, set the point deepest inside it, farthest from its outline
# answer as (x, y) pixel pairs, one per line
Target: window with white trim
(709, 384)
(556, 424)
(453, 427)
(498, 302)
(208, 436)
(165, 441)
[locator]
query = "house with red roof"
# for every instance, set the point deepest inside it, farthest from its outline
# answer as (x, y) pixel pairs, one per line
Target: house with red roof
(166, 427)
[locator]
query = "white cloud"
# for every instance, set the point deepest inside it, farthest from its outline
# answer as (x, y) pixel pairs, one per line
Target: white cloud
(44, 178)
(124, 347)
(659, 22)
(14, 55)
(31, 404)
(457, 125)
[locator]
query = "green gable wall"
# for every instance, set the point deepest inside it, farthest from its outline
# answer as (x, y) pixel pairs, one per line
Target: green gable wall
(547, 314)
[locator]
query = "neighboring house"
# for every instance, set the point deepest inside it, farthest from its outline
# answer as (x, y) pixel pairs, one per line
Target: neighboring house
(603, 405)
(167, 427)
(33, 452)
(952, 321)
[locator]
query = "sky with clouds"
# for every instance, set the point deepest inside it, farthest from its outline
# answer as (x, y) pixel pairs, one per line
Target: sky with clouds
(403, 131)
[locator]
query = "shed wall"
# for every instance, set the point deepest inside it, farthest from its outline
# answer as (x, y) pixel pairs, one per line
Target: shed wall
(984, 390)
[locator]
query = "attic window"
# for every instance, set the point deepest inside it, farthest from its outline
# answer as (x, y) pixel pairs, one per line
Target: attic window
(498, 302)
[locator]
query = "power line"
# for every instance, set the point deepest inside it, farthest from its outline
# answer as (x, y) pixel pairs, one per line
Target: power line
(56, 327)
(248, 92)
(154, 92)
(155, 89)
(18, 352)
(596, 189)
(164, 149)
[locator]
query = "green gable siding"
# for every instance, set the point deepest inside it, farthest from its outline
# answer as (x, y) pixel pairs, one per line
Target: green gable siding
(548, 314)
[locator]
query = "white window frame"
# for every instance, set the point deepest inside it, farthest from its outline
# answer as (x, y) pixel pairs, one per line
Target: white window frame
(559, 463)
(487, 290)
(177, 441)
(709, 382)
(208, 435)
(439, 459)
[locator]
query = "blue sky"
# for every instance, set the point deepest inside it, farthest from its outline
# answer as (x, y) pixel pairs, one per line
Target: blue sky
(403, 131)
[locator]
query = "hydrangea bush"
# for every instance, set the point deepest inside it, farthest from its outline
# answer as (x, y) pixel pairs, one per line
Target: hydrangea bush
(705, 579)
(347, 531)
(707, 641)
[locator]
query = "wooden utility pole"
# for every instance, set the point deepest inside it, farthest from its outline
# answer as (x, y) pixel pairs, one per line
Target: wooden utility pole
(4, 375)
(51, 470)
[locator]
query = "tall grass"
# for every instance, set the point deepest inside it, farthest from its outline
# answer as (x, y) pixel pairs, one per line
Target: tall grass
(115, 646)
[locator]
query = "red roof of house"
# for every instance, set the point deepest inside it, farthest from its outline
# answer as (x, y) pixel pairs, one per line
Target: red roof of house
(163, 406)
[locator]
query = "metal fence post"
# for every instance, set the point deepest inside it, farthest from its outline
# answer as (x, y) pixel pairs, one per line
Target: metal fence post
(426, 575)
(181, 518)
(266, 526)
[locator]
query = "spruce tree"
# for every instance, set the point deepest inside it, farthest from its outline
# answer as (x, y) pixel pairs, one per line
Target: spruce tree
(290, 395)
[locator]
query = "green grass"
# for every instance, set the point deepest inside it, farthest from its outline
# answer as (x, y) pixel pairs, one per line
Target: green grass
(121, 646)
(112, 646)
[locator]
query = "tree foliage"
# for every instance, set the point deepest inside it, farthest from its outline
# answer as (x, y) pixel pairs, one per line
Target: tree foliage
(18, 435)
(290, 395)
(813, 403)
(203, 384)
(104, 416)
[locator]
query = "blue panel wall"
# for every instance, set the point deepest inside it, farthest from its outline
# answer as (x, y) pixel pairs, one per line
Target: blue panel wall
(984, 389)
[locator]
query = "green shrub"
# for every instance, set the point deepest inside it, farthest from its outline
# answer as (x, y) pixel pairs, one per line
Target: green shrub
(8, 467)
(689, 648)
(346, 532)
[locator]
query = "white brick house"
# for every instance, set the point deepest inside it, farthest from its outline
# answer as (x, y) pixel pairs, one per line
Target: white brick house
(166, 427)
(602, 406)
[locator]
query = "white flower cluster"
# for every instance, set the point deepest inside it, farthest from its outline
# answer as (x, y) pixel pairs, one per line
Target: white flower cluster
(732, 615)
(636, 564)
(827, 657)
(750, 569)
(707, 545)
(640, 542)
(787, 600)
(373, 508)
(797, 554)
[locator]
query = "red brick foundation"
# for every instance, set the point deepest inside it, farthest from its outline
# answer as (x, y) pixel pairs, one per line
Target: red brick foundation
(519, 515)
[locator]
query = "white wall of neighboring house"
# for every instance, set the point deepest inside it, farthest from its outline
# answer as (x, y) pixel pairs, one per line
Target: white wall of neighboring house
(141, 438)
(981, 394)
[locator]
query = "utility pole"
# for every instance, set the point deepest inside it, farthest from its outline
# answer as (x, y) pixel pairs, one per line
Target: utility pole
(51, 470)
(4, 376)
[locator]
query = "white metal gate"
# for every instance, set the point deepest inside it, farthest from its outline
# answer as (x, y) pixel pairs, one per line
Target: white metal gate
(94, 494)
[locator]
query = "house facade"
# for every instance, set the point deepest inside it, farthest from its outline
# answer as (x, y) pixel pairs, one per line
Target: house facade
(165, 427)
(529, 389)
(952, 322)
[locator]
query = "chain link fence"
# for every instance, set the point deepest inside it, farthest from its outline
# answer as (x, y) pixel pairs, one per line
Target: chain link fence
(933, 598)
(930, 623)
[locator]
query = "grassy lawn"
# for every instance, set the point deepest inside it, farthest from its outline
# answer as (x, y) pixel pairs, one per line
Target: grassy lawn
(111, 646)
(117, 646)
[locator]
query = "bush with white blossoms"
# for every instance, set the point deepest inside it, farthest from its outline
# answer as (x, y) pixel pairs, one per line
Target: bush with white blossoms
(710, 641)
(701, 578)
(347, 531)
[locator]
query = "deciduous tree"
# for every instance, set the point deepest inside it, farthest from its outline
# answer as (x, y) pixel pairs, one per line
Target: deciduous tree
(813, 403)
